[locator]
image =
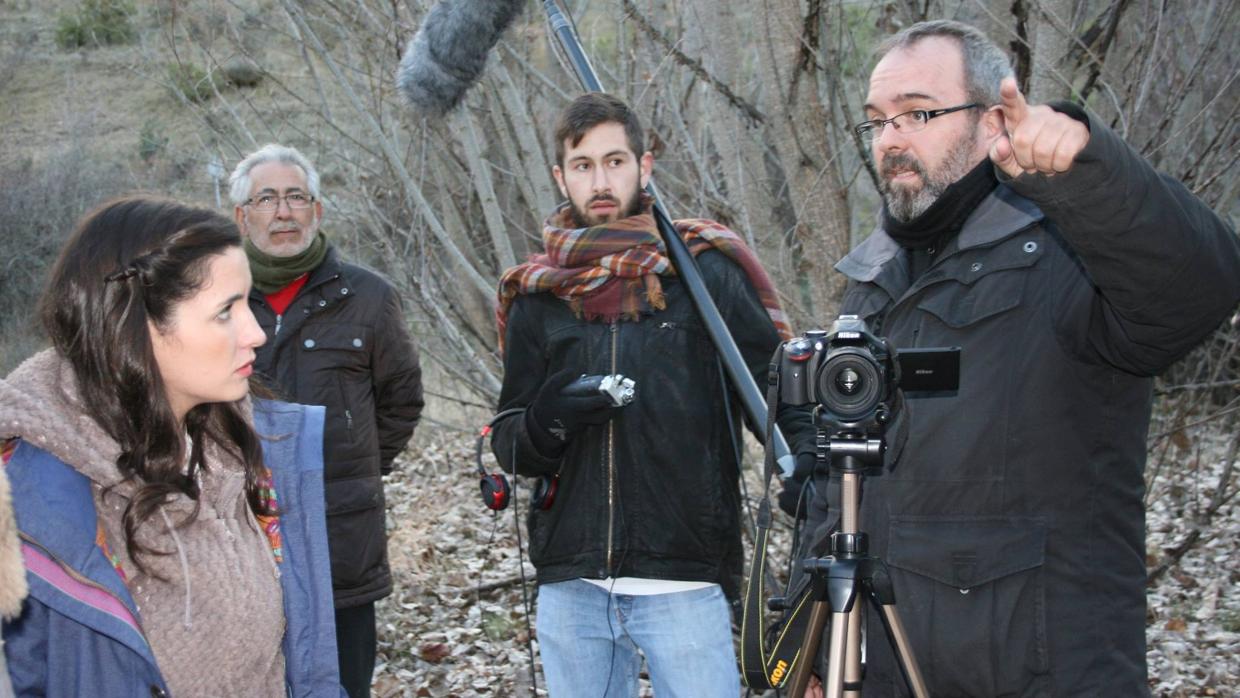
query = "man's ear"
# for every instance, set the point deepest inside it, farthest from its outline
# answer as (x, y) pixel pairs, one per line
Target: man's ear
(239, 217)
(559, 179)
(646, 163)
(318, 211)
(993, 124)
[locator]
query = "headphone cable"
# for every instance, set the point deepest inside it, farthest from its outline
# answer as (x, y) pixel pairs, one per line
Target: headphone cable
(525, 592)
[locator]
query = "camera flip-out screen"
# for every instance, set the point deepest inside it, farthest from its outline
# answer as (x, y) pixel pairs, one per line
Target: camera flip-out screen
(929, 369)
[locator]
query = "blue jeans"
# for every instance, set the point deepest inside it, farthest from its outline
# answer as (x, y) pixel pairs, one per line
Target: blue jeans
(589, 642)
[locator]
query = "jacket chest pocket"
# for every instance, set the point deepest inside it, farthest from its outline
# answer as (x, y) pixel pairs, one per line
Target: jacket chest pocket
(335, 345)
(981, 284)
(973, 597)
(334, 363)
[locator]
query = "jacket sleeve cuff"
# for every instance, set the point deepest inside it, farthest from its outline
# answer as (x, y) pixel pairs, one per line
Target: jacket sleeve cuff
(542, 440)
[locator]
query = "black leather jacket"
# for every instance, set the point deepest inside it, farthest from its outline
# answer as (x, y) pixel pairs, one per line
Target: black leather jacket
(654, 492)
(342, 343)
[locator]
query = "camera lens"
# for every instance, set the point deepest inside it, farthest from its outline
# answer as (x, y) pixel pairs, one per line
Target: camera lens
(849, 384)
(847, 381)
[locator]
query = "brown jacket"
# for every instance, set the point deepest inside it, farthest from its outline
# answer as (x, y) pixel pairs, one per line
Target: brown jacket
(342, 343)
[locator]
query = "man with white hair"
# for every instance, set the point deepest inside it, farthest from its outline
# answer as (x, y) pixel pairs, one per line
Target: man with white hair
(335, 337)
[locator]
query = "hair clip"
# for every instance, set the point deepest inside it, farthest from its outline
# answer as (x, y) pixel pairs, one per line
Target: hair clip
(123, 274)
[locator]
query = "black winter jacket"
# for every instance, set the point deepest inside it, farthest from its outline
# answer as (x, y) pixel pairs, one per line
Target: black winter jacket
(654, 492)
(1012, 519)
(342, 343)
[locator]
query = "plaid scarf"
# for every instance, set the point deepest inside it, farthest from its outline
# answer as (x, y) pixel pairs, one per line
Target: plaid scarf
(611, 272)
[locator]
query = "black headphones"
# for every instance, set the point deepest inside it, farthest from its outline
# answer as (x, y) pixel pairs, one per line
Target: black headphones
(496, 492)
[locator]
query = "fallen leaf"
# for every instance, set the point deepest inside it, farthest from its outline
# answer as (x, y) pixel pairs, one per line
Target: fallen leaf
(434, 652)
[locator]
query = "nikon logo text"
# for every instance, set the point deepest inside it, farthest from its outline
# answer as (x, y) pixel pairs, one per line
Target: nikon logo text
(777, 674)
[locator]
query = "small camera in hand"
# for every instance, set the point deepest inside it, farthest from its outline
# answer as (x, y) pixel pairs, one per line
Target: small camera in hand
(621, 390)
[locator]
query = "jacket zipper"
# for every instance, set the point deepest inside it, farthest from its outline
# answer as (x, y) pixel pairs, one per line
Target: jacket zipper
(305, 290)
(611, 458)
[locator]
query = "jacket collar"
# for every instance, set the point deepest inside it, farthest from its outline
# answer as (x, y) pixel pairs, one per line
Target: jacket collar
(1000, 215)
(331, 268)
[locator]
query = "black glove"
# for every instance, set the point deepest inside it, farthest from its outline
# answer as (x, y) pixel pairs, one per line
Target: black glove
(791, 499)
(553, 417)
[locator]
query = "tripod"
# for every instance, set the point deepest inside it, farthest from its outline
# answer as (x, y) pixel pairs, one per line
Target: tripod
(837, 579)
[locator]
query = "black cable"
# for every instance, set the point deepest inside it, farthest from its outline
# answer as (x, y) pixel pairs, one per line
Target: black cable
(611, 663)
(525, 592)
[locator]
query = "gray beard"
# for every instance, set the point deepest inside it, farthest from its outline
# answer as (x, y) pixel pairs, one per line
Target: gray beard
(906, 204)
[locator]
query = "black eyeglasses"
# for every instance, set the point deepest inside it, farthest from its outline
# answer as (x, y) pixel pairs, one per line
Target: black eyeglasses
(908, 122)
(270, 202)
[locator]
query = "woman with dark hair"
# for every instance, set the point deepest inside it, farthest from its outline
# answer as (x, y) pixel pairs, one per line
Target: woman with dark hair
(172, 530)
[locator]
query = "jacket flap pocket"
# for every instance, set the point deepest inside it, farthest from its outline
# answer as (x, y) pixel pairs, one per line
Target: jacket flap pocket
(979, 283)
(965, 552)
(335, 338)
(960, 306)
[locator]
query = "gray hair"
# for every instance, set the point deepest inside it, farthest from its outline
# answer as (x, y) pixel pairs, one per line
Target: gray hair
(239, 181)
(985, 64)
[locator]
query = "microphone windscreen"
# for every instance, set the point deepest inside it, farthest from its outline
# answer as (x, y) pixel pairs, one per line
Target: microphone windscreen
(449, 51)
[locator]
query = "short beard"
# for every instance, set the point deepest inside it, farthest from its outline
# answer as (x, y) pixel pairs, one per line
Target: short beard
(631, 208)
(905, 204)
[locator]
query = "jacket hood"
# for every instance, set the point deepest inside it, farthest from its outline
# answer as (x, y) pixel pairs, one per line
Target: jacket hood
(40, 404)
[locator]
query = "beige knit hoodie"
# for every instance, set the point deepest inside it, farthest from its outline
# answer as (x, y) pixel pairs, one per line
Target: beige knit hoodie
(215, 621)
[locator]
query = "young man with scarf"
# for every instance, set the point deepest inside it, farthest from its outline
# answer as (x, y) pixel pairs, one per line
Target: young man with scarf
(335, 337)
(1070, 273)
(641, 548)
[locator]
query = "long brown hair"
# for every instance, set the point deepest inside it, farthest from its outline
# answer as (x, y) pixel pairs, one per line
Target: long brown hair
(124, 269)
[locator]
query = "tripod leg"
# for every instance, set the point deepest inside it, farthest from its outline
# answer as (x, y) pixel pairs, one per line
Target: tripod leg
(904, 653)
(882, 594)
(852, 664)
(833, 682)
(809, 649)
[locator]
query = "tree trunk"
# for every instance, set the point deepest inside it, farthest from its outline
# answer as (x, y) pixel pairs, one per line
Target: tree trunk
(798, 118)
(1053, 38)
(742, 172)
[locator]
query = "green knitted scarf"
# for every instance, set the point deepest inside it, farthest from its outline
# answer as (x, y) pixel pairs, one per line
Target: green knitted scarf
(273, 273)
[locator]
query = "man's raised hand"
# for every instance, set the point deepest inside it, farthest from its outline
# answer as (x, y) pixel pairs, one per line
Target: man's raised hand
(1037, 139)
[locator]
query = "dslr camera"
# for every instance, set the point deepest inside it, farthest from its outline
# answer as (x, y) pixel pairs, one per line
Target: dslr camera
(853, 375)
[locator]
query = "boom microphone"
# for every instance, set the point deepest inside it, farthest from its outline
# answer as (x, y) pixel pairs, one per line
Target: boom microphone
(450, 50)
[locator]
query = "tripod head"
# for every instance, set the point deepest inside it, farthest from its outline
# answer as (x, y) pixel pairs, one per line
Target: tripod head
(850, 450)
